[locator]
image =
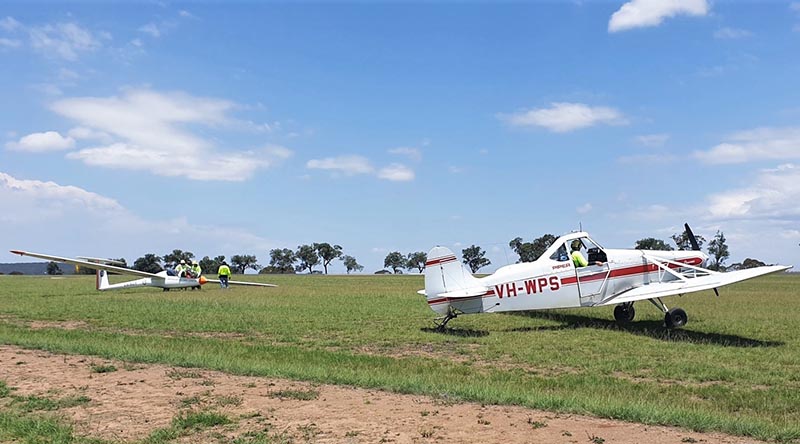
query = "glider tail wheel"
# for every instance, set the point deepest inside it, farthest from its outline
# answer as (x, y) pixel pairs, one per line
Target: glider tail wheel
(624, 313)
(675, 318)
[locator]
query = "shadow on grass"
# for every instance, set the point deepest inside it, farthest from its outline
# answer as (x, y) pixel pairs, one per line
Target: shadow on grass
(651, 329)
(460, 332)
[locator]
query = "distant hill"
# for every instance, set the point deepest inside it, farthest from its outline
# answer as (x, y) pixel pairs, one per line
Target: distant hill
(36, 268)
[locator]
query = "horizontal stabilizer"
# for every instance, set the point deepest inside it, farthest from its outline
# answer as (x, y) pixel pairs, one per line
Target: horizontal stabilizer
(671, 288)
(466, 293)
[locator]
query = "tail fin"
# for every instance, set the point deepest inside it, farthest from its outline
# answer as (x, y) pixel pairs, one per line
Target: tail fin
(102, 280)
(445, 274)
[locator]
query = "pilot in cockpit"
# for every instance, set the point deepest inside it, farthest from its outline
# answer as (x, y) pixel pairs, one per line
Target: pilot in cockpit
(577, 257)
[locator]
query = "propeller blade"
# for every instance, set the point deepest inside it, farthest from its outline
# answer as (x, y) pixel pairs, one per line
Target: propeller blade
(692, 239)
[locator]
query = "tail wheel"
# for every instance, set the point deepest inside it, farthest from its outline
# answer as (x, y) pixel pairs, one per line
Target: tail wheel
(624, 313)
(676, 318)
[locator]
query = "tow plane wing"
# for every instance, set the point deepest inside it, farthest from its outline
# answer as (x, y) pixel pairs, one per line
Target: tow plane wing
(690, 285)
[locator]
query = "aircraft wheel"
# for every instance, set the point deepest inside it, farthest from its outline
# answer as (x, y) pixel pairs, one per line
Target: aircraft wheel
(676, 318)
(624, 313)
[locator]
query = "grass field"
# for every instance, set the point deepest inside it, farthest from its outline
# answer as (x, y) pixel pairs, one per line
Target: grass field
(735, 368)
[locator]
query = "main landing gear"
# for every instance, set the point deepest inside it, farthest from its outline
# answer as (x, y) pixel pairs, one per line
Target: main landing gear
(673, 318)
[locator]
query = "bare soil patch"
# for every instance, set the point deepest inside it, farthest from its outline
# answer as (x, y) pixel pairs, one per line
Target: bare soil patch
(130, 403)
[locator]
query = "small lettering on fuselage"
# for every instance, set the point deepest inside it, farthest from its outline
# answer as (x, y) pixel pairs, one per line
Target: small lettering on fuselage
(529, 286)
(564, 265)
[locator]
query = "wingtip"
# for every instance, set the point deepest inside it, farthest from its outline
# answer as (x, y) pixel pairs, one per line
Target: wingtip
(21, 253)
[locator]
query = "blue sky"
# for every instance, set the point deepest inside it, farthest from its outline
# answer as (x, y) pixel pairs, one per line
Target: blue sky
(234, 128)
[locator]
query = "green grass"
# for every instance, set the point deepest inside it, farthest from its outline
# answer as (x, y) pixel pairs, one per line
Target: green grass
(735, 367)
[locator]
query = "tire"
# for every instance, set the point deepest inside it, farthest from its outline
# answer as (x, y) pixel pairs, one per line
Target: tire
(676, 318)
(624, 313)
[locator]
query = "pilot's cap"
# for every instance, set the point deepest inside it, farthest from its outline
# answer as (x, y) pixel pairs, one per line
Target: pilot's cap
(183, 261)
(194, 263)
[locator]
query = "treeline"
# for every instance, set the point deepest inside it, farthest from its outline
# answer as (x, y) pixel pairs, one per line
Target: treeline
(282, 260)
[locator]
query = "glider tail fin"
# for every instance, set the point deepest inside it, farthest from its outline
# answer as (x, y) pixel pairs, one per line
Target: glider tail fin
(444, 273)
(102, 280)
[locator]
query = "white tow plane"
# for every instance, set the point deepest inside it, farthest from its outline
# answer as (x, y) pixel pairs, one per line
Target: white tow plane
(160, 279)
(613, 277)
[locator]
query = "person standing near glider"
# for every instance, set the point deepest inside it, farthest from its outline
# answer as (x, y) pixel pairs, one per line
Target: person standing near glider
(224, 274)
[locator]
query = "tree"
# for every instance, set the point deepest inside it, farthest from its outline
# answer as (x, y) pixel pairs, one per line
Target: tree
(53, 269)
(241, 262)
(177, 256)
(351, 265)
(308, 257)
(211, 266)
(530, 251)
(327, 253)
(416, 260)
(281, 260)
(651, 243)
(719, 250)
(395, 260)
(683, 243)
(473, 258)
(149, 263)
(747, 263)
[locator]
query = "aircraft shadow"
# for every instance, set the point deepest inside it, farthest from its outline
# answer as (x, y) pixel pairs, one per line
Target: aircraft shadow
(651, 329)
(460, 332)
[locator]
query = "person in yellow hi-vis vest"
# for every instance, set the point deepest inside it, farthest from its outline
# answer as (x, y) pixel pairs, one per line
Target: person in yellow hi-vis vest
(577, 257)
(224, 274)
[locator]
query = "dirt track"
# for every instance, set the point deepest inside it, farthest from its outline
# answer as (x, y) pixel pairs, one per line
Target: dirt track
(129, 403)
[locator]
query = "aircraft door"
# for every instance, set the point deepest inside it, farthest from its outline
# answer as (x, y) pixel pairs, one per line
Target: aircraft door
(593, 277)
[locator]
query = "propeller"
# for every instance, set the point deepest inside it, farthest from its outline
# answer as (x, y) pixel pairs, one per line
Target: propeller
(692, 239)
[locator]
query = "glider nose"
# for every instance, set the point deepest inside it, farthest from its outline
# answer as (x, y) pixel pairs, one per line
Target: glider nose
(203, 280)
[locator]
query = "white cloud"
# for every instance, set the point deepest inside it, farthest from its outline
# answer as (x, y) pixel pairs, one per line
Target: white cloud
(89, 218)
(645, 13)
(564, 117)
(347, 165)
(774, 194)
(82, 133)
(63, 40)
(585, 208)
(755, 144)
(41, 142)
(350, 165)
(652, 140)
(49, 197)
(412, 153)
(397, 173)
(10, 43)
(8, 24)
(795, 6)
(146, 133)
(151, 29)
(731, 33)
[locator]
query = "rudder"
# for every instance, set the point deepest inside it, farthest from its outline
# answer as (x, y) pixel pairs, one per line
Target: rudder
(444, 273)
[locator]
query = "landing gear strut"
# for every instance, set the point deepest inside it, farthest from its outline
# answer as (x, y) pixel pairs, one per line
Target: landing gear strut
(673, 318)
(441, 323)
(624, 313)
